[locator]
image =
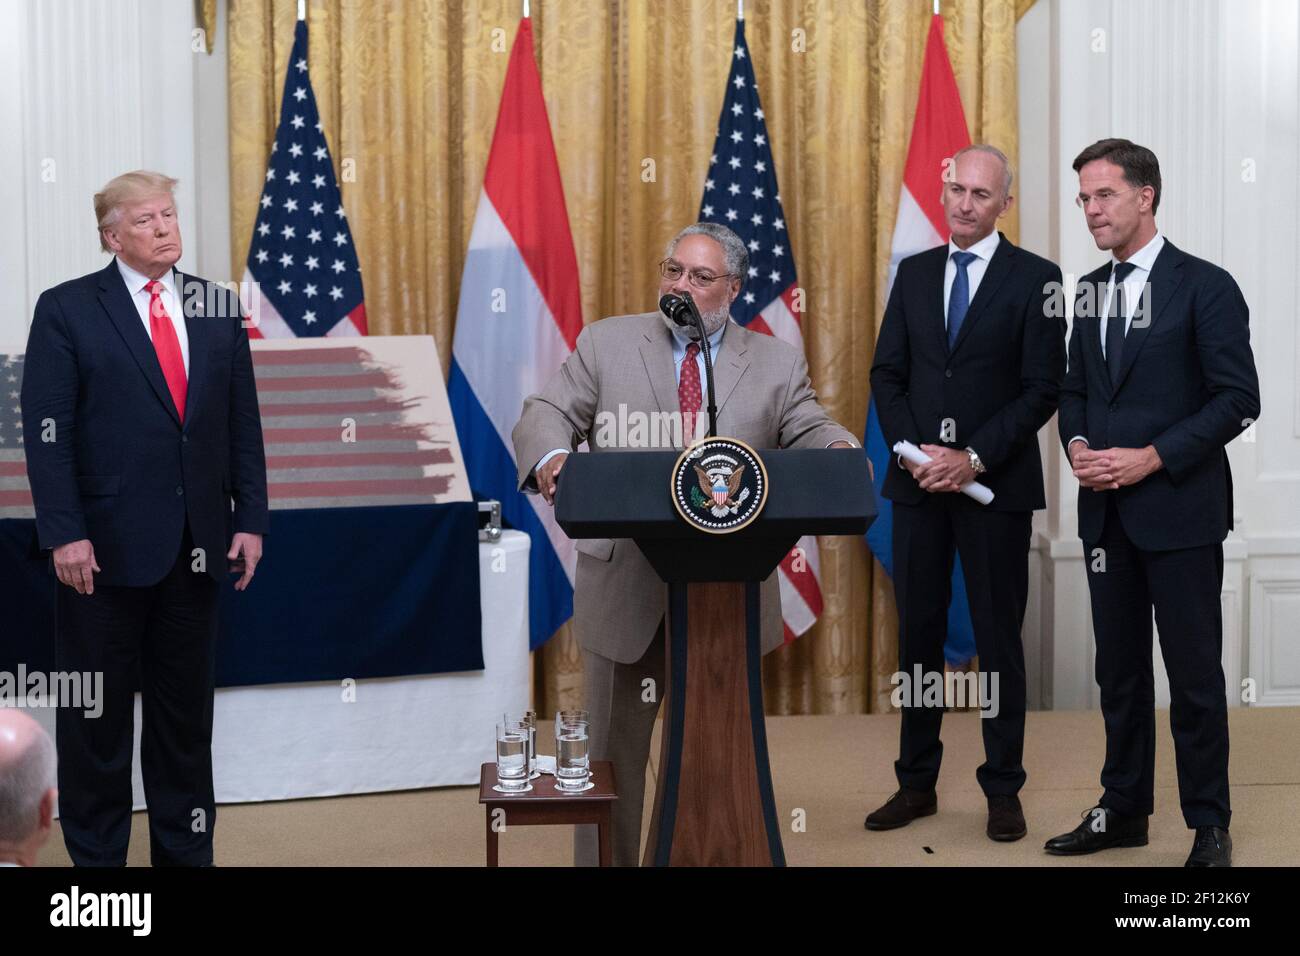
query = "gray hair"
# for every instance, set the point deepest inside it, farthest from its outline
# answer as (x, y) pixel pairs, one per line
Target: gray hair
(733, 249)
(23, 784)
(996, 153)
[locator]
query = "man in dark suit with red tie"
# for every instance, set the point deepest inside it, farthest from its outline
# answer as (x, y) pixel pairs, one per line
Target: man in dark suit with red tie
(1161, 378)
(141, 422)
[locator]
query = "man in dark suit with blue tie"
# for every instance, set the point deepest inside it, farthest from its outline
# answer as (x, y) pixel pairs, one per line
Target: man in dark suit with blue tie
(968, 367)
(142, 427)
(1161, 378)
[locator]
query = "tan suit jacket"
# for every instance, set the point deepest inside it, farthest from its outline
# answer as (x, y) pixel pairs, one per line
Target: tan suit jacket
(764, 398)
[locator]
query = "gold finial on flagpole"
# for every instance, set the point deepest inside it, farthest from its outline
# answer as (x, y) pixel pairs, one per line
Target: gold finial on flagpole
(302, 9)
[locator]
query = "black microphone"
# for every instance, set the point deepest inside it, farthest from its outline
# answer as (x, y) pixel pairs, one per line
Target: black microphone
(676, 309)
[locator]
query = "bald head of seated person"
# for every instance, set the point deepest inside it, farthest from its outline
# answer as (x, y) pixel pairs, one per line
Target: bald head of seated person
(27, 788)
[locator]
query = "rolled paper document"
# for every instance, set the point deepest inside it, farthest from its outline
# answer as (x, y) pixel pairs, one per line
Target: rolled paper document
(972, 489)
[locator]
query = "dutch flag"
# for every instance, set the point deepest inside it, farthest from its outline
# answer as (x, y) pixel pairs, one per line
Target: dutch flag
(938, 132)
(519, 317)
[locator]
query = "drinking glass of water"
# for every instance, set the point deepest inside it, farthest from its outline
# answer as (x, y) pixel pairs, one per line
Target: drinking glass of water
(571, 715)
(512, 756)
(572, 750)
(529, 720)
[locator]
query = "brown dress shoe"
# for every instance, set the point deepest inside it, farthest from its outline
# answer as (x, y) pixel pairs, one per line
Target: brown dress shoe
(902, 808)
(1006, 819)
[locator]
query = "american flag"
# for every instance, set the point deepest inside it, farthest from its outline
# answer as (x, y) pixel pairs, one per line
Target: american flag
(343, 425)
(741, 193)
(15, 493)
(308, 281)
(349, 425)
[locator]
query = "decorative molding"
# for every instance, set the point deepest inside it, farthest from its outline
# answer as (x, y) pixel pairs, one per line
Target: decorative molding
(1274, 626)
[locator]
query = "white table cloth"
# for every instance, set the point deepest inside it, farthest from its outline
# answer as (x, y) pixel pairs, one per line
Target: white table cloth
(285, 741)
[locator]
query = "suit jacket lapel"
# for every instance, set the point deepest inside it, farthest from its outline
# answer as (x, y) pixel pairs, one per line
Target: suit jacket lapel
(116, 300)
(196, 330)
(657, 353)
(1092, 292)
(933, 279)
(1166, 273)
(729, 364)
(997, 270)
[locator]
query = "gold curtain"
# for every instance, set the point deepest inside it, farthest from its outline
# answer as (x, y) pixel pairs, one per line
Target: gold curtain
(408, 93)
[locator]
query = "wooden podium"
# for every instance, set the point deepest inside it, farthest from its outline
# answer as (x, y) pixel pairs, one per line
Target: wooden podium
(713, 801)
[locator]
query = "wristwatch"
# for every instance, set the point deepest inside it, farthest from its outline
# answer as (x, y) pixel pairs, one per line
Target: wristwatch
(975, 462)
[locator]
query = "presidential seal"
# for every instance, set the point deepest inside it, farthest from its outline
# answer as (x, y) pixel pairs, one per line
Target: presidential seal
(719, 485)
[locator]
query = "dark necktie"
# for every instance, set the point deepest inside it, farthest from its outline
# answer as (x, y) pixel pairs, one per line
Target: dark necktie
(1116, 319)
(959, 297)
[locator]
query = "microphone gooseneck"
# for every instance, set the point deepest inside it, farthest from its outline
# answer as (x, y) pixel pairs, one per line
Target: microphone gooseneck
(705, 349)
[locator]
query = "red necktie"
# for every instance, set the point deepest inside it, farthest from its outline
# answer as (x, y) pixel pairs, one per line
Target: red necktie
(167, 346)
(688, 392)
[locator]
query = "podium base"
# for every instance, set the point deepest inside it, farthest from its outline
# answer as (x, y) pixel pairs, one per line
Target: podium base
(713, 801)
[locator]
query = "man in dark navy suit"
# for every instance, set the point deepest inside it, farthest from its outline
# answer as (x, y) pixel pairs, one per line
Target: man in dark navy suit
(968, 367)
(1161, 378)
(141, 422)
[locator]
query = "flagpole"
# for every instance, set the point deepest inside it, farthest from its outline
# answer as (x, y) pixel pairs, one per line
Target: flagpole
(936, 7)
(740, 9)
(526, 15)
(302, 9)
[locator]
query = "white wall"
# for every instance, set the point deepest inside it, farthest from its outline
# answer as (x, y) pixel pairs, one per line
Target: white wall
(90, 89)
(1212, 88)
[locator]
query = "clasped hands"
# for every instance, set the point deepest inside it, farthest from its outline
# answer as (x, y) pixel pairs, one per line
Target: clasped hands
(947, 470)
(1106, 469)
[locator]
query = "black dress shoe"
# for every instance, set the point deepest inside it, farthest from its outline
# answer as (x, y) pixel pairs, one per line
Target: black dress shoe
(1006, 819)
(1212, 847)
(902, 808)
(1101, 829)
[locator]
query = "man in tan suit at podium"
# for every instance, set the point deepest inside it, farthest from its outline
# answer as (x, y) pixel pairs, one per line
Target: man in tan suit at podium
(635, 366)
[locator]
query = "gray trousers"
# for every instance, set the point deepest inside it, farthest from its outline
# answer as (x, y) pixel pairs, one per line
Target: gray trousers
(622, 722)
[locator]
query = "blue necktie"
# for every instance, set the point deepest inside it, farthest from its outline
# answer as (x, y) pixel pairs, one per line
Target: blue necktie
(959, 297)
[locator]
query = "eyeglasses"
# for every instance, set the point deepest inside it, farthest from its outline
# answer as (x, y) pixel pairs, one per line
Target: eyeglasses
(699, 278)
(1103, 197)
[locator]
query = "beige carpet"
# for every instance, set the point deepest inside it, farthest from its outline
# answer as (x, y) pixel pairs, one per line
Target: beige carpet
(833, 769)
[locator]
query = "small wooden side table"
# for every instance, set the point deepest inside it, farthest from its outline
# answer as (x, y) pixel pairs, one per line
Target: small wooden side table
(544, 805)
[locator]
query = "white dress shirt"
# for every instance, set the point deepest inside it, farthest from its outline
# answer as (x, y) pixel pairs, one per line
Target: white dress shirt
(135, 285)
(983, 251)
(1143, 260)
